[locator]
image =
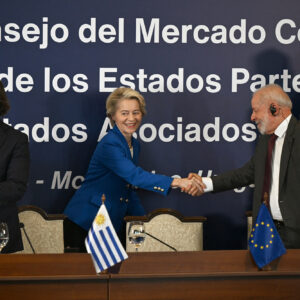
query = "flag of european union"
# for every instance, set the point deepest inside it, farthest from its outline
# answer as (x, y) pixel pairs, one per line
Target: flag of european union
(265, 243)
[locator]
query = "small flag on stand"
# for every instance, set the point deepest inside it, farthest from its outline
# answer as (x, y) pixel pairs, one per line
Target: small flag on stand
(103, 243)
(265, 243)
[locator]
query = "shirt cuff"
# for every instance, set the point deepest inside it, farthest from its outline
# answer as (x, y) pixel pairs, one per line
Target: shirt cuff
(209, 184)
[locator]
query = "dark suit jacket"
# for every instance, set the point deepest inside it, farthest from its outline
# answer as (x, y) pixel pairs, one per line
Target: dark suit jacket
(14, 168)
(289, 179)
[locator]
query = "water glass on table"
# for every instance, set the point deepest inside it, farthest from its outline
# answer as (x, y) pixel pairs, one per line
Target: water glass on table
(4, 235)
(136, 233)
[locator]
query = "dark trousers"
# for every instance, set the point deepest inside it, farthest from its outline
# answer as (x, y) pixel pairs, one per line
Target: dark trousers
(74, 236)
(289, 236)
(9, 215)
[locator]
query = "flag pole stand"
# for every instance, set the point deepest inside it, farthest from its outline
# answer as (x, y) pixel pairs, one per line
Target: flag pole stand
(103, 198)
(272, 266)
(266, 268)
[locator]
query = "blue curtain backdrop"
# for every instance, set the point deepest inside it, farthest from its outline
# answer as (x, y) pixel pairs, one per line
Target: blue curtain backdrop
(197, 64)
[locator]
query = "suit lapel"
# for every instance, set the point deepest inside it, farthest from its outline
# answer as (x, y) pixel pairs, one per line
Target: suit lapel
(261, 154)
(2, 133)
(286, 150)
(136, 149)
(123, 140)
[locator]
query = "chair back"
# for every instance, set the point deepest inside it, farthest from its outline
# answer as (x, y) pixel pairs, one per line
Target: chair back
(249, 224)
(44, 231)
(170, 227)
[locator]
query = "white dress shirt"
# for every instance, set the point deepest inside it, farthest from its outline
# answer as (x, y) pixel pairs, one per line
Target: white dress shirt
(276, 158)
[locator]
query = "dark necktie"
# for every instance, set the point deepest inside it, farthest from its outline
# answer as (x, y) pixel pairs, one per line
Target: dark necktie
(268, 171)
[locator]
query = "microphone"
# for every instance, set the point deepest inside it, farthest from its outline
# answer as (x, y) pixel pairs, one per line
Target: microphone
(27, 237)
(157, 239)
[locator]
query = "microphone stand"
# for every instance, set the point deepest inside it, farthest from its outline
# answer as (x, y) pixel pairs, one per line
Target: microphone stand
(27, 237)
(157, 239)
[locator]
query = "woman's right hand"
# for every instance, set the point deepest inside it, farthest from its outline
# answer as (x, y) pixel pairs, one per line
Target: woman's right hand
(189, 186)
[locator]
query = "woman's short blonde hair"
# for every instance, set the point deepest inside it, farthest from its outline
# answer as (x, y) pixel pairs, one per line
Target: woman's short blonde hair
(120, 94)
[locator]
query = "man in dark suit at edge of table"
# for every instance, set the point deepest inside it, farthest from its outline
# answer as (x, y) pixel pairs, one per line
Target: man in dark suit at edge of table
(14, 169)
(271, 111)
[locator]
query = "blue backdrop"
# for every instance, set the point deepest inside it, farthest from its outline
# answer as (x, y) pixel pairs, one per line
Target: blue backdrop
(196, 63)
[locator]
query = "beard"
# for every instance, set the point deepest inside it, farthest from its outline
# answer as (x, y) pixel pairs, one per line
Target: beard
(263, 125)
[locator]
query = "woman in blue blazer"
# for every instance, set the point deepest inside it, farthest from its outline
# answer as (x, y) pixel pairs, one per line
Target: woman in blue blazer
(114, 169)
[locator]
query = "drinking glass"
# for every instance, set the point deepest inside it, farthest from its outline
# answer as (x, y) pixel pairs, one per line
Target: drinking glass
(4, 236)
(136, 234)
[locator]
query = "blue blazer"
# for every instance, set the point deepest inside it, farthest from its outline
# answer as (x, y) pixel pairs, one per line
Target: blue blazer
(113, 172)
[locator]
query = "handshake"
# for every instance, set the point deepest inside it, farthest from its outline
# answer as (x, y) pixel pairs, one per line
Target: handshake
(192, 185)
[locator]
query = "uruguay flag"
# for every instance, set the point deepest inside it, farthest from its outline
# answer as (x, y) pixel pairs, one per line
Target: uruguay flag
(103, 243)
